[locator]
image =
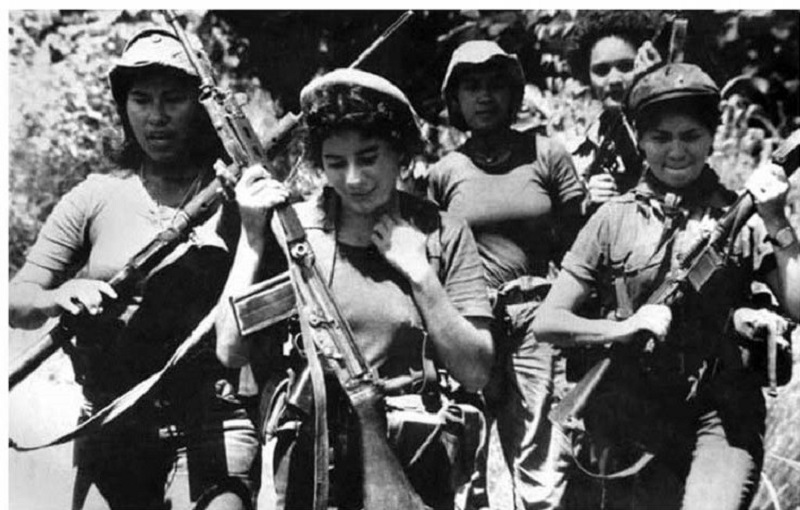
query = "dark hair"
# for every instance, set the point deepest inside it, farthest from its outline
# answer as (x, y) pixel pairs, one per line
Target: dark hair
(207, 147)
(634, 27)
(704, 109)
(341, 106)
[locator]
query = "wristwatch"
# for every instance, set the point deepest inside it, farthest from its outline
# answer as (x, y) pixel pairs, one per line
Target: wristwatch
(783, 238)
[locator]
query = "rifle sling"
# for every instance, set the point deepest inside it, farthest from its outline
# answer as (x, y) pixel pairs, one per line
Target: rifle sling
(124, 403)
(631, 470)
(321, 439)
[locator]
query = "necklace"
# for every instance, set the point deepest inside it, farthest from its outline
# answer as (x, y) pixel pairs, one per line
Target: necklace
(164, 213)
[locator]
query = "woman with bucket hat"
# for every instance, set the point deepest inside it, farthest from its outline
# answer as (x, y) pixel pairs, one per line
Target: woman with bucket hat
(515, 190)
(404, 275)
(694, 406)
(194, 445)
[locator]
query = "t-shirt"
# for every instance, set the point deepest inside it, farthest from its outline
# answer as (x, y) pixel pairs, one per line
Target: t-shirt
(376, 299)
(99, 225)
(513, 212)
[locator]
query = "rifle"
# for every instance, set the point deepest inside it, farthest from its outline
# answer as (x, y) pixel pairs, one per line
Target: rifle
(620, 139)
(703, 260)
(241, 145)
(328, 338)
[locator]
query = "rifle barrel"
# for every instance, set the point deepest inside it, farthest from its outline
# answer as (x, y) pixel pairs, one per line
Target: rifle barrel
(204, 202)
(377, 42)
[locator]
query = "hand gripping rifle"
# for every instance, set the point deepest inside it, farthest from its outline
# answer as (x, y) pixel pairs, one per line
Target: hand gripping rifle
(328, 338)
(243, 148)
(703, 260)
(619, 139)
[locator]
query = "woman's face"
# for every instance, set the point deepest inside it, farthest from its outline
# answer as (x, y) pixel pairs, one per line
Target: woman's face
(162, 109)
(676, 148)
(484, 97)
(362, 169)
(611, 70)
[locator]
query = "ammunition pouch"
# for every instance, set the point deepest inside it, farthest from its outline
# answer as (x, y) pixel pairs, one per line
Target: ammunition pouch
(435, 448)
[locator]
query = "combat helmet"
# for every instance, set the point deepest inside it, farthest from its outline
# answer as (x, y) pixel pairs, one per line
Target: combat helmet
(149, 47)
(474, 54)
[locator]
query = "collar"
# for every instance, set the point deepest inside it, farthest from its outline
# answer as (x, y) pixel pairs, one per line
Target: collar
(514, 149)
(705, 191)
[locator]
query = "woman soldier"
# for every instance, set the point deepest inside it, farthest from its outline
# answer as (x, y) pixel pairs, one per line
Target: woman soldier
(362, 132)
(194, 444)
(514, 190)
(690, 401)
(610, 48)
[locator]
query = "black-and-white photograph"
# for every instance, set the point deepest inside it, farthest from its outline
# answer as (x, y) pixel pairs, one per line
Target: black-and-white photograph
(403, 259)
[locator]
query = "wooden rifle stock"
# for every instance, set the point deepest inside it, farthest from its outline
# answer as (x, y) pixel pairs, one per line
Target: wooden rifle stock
(383, 489)
(702, 261)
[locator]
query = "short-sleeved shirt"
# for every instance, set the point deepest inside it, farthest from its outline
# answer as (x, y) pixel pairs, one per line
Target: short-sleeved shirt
(376, 299)
(627, 249)
(99, 225)
(512, 211)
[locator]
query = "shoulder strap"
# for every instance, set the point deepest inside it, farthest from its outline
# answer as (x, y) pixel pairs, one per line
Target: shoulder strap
(145, 389)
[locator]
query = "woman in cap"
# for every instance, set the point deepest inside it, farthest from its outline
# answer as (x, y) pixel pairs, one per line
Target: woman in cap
(522, 198)
(380, 243)
(194, 443)
(691, 402)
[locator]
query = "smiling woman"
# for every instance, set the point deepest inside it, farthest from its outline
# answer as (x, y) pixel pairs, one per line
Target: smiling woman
(407, 279)
(363, 170)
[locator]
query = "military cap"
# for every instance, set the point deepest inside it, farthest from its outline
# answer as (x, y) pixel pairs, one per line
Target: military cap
(668, 82)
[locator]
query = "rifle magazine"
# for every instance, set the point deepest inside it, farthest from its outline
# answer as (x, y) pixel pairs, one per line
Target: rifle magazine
(265, 304)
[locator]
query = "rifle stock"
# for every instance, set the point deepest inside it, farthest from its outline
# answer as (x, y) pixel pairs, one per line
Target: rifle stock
(701, 263)
(383, 489)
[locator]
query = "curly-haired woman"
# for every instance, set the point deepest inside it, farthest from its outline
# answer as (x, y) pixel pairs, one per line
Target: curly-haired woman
(609, 47)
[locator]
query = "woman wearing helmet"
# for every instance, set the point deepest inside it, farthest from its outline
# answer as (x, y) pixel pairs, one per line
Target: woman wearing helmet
(513, 189)
(362, 132)
(194, 443)
(695, 406)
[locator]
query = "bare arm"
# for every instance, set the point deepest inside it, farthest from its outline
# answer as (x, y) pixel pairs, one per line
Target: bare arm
(557, 323)
(769, 187)
(256, 195)
(463, 344)
(34, 295)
